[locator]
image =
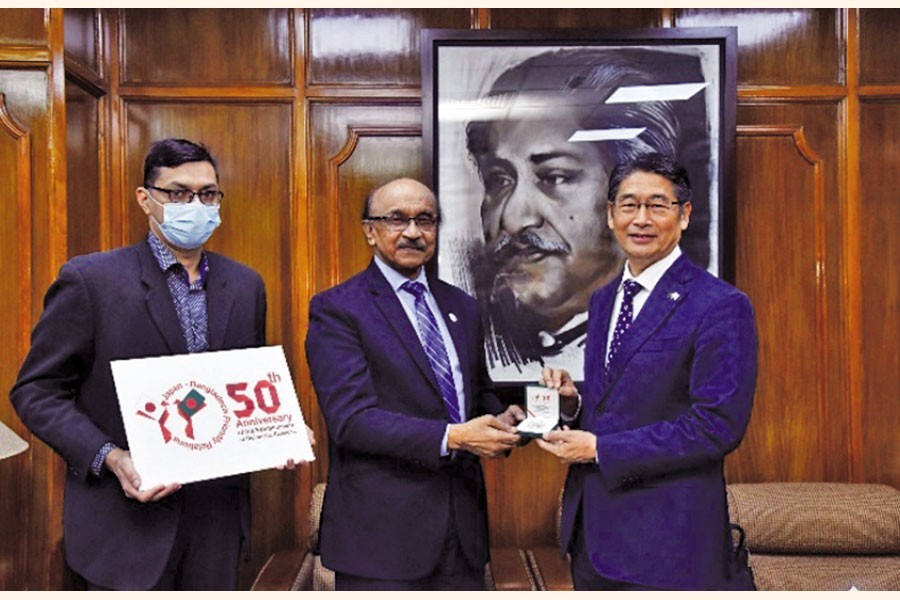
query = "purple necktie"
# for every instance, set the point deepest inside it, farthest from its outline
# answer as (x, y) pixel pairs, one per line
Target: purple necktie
(626, 313)
(433, 343)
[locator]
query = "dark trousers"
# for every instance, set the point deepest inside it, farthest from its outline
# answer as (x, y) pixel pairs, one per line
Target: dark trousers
(584, 575)
(207, 548)
(451, 573)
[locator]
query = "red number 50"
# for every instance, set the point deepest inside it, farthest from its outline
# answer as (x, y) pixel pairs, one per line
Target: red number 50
(235, 392)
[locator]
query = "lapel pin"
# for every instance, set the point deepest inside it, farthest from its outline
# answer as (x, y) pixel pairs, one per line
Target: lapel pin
(453, 317)
(674, 296)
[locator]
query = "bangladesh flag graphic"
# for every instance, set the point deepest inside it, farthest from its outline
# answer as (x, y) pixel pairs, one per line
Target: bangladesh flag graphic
(189, 406)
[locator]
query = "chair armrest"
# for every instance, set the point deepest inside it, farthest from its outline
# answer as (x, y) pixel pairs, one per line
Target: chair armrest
(551, 571)
(284, 571)
(508, 570)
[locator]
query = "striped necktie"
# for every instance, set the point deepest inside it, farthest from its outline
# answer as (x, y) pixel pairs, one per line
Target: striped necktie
(433, 343)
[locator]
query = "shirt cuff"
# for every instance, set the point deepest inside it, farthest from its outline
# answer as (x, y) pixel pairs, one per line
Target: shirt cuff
(567, 419)
(97, 464)
(444, 450)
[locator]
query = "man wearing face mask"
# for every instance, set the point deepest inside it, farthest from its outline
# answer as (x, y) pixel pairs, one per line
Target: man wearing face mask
(164, 295)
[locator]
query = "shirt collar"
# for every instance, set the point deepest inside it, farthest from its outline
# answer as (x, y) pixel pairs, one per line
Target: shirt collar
(395, 278)
(166, 260)
(650, 276)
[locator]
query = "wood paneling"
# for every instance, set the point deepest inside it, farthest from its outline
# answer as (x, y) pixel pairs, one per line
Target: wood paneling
(781, 47)
(879, 216)
(23, 27)
(788, 237)
(83, 37)
(32, 243)
(574, 18)
(786, 437)
(372, 46)
(83, 171)
(206, 46)
(15, 264)
(879, 52)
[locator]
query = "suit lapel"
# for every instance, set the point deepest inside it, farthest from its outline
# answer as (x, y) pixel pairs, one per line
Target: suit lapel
(671, 291)
(601, 312)
(219, 301)
(386, 301)
(159, 301)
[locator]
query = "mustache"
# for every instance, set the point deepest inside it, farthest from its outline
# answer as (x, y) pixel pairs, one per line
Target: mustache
(412, 244)
(525, 242)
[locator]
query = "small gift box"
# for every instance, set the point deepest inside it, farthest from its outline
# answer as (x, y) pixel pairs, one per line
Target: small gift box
(542, 408)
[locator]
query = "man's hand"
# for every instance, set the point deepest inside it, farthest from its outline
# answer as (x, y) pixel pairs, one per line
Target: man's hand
(119, 463)
(290, 465)
(570, 445)
(485, 436)
(559, 379)
(513, 415)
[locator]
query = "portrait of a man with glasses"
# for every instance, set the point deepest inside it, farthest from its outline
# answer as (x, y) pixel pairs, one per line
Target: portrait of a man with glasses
(165, 295)
(548, 132)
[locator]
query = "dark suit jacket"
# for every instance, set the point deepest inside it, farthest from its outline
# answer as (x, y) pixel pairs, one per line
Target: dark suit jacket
(676, 401)
(104, 307)
(390, 494)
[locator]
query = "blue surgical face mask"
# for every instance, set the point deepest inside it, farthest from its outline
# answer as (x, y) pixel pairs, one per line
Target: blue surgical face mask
(187, 225)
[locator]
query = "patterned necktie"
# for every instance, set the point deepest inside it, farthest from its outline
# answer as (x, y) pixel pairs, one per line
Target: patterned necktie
(626, 312)
(433, 343)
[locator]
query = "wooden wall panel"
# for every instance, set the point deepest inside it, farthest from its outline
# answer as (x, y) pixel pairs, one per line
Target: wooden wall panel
(83, 37)
(879, 53)
(32, 243)
(83, 171)
(574, 18)
(786, 47)
(786, 188)
(23, 27)
(15, 264)
(376, 46)
(880, 409)
(207, 46)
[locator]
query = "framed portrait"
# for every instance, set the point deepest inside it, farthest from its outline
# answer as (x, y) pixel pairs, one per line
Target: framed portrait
(520, 132)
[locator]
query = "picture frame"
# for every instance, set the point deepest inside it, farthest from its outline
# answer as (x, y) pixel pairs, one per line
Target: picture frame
(520, 130)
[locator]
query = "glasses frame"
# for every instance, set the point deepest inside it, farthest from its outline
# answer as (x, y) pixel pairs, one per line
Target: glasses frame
(650, 209)
(395, 225)
(219, 195)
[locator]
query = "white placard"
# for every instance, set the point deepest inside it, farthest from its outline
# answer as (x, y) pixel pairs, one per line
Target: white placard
(542, 411)
(200, 416)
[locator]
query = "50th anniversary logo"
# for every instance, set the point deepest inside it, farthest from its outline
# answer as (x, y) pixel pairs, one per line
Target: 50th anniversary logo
(195, 416)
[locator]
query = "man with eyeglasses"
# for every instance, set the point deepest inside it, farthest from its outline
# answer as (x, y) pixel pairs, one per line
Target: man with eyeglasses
(670, 372)
(164, 295)
(396, 359)
(546, 248)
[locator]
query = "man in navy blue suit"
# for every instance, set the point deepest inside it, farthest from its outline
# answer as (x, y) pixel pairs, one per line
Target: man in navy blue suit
(396, 360)
(164, 295)
(670, 373)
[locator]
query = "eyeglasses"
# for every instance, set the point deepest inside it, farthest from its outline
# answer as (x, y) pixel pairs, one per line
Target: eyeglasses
(657, 208)
(183, 196)
(398, 223)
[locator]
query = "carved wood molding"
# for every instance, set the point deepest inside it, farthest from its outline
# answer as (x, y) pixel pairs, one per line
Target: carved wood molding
(801, 145)
(355, 133)
(22, 139)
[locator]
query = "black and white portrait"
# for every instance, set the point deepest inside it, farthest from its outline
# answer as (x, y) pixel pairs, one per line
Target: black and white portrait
(526, 136)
